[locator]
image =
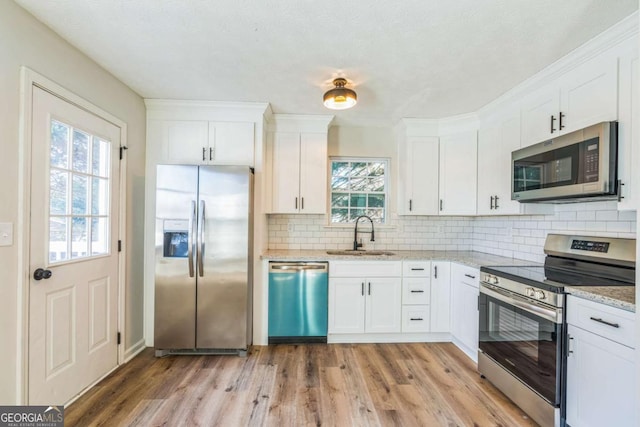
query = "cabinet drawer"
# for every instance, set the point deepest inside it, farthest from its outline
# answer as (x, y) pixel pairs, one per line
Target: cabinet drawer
(415, 318)
(591, 316)
(416, 268)
(365, 268)
(416, 290)
(465, 274)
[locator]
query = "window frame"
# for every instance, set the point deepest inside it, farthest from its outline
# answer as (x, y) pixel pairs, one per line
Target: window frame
(355, 159)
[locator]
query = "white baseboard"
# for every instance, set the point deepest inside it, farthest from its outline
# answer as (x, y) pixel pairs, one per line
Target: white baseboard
(134, 350)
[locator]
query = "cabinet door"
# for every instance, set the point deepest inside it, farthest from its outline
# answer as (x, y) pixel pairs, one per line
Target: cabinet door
(588, 94)
(536, 113)
(313, 173)
(601, 387)
(458, 174)
(629, 132)
(384, 306)
(420, 192)
(440, 297)
(181, 141)
(346, 306)
(286, 172)
(465, 317)
(231, 143)
(490, 167)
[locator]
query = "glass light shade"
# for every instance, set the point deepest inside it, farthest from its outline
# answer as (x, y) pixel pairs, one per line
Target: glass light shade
(340, 98)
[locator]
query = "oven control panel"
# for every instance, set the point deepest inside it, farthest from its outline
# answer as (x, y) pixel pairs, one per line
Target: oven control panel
(591, 246)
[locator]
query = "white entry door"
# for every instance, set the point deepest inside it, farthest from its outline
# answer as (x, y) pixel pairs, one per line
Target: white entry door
(73, 289)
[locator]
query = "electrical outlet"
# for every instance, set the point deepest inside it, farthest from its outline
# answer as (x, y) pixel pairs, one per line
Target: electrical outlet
(290, 227)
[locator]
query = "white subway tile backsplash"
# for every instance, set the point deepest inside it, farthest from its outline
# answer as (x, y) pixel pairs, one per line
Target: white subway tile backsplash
(511, 236)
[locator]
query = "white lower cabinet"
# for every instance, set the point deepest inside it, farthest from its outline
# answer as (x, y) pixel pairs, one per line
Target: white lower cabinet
(464, 308)
(440, 296)
(365, 297)
(416, 296)
(601, 386)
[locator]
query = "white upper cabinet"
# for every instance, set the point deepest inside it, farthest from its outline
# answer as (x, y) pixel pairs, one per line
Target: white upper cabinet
(202, 142)
(202, 132)
(297, 164)
(584, 96)
(628, 131)
(419, 156)
(458, 174)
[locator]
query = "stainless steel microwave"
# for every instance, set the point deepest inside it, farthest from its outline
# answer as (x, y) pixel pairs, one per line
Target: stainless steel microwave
(580, 165)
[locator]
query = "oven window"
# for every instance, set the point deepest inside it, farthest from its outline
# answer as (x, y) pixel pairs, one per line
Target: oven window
(523, 343)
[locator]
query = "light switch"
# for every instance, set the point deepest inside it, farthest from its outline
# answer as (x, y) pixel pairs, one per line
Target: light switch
(6, 233)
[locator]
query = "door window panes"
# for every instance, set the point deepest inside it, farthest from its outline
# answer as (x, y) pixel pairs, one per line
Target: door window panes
(79, 189)
(358, 187)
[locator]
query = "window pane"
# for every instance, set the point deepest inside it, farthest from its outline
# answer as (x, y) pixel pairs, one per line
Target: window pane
(376, 184)
(339, 168)
(359, 184)
(80, 151)
(59, 151)
(355, 213)
(377, 215)
(339, 200)
(79, 201)
(376, 169)
(58, 188)
(376, 200)
(358, 200)
(58, 239)
(359, 169)
(339, 183)
(99, 236)
(79, 243)
(339, 215)
(99, 196)
(100, 157)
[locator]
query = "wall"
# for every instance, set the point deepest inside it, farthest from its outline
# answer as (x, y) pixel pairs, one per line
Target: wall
(26, 41)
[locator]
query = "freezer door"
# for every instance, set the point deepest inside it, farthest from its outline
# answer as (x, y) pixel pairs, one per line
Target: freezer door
(175, 281)
(224, 214)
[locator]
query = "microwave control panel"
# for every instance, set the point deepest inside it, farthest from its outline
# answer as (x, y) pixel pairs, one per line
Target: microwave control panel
(591, 160)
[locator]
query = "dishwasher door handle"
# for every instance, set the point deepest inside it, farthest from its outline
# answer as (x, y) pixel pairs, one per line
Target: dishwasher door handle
(281, 267)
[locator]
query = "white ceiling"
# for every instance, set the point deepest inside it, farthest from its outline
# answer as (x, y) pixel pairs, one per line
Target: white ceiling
(408, 58)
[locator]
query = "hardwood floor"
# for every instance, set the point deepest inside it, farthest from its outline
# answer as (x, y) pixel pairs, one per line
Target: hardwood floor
(300, 385)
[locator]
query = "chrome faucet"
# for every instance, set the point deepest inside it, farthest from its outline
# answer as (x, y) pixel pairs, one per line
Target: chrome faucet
(357, 245)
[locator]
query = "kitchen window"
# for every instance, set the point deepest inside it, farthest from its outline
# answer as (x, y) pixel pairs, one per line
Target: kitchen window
(358, 187)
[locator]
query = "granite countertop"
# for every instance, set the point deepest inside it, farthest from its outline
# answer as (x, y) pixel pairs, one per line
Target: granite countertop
(623, 297)
(470, 258)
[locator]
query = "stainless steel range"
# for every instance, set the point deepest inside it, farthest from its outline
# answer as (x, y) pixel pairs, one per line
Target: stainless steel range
(522, 317)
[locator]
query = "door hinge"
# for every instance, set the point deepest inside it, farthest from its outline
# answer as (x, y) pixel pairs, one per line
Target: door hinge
(119, 245)
(122, 148)
(119, 338)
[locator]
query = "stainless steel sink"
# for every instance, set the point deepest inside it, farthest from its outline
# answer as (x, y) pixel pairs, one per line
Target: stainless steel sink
(360, 252)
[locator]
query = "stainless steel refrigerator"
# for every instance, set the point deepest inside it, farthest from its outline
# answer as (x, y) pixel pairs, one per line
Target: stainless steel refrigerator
(203, 274)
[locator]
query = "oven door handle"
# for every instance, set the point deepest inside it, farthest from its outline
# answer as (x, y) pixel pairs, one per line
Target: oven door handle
(554, 315)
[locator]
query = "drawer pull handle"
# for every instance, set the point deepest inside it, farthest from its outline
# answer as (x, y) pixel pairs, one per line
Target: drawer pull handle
(417, 269)
(417, 292)
(597, 319)
(470, 276)
(417, 318)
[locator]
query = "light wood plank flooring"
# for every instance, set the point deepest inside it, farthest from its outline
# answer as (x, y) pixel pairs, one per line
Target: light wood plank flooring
(300, 385)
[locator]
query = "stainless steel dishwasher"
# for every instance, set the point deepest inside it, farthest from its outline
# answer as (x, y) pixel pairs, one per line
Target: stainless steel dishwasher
(298, 302)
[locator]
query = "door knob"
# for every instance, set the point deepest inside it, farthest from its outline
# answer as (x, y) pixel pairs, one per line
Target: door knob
(41, 273)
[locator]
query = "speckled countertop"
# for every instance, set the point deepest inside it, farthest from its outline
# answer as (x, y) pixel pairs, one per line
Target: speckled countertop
(616, 296)
(623, 297)
(470, 258)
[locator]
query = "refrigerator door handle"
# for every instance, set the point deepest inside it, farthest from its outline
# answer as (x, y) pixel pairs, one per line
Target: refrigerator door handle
(190, 235)
(201, 239)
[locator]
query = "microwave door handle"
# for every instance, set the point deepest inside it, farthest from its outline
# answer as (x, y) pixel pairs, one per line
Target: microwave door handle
(190, 236)
(545, 313)
(201, 245)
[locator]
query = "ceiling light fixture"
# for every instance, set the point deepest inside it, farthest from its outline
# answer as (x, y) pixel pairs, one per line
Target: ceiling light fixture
(340, 98)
